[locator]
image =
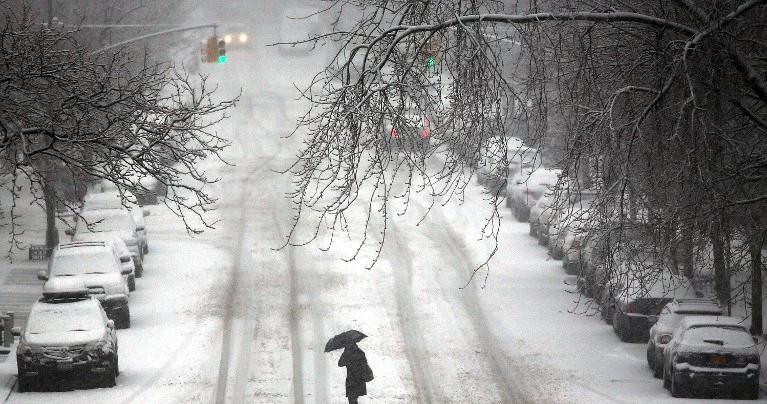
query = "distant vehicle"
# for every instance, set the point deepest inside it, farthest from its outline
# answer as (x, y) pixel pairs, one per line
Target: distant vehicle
(105, 223)
(236, 36)
(67, 332)
(712, 353)
(99, 268)
(667, 322)
(113, 200)
(412, 132)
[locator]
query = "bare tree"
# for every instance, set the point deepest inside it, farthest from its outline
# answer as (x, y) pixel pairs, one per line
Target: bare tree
(660, 104)
(70, 111)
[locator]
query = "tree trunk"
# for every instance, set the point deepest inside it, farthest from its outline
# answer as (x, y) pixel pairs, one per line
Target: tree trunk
(51, 232)
(721, 274)
(756, 288)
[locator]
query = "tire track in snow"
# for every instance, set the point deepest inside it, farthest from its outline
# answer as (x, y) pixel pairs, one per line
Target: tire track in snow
(415, 346)
(241, 291)
(511, 389)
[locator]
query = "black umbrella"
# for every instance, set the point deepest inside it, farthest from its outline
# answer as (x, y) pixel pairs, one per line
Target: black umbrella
(344, 339)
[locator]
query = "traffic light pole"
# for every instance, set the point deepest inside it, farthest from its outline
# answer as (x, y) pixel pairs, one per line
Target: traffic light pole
(170, 31)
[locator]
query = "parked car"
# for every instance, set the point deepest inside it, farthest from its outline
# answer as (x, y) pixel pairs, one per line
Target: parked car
(524, 191)
(713, 353)
(667, 322)
(99, 267)
(67, 332)
(603, 248)
(105, 223)
(537, 212)
(573, 205)
(573, 248)
(574, 220)
(637, 293)
(114, 200)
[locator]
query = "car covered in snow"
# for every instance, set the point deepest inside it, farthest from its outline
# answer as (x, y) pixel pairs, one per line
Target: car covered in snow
(99, 268)
(67, 335)
(711, 353)
(638, 290)
(106, 223)
(113, 199)
(410, 132)
(525, 188)
(667, 322)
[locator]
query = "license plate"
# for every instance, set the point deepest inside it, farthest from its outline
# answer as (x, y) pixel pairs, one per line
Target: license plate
(66, 365)
(718, 360)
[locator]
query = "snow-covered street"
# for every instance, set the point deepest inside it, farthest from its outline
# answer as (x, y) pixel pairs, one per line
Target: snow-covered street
(228, 316)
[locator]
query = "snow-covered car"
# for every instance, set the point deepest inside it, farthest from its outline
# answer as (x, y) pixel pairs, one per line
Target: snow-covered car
(711, 353)
(574, 214)
(112, 199)
(667, 322)
(99, 267)
(67, 333)
(501, 159)
(637, 292)
(107, 223)
(537, 211)
(523, 192)
(573, 249)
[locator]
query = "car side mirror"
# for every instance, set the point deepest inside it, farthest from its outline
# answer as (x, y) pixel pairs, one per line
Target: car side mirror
(665, 338)
(42, 275)
(16, 331)
(140, 228)
(125, 259)
(652, 319)
(69, 232)
(145, 212)
(111, 324)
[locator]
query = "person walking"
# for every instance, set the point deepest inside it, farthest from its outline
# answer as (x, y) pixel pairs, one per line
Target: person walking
(358, 373)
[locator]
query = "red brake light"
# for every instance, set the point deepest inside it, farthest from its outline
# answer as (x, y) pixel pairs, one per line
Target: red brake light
(426, 132)
(394, 132)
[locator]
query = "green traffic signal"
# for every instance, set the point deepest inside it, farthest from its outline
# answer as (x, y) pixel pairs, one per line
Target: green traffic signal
(430, 61)
(222, 59)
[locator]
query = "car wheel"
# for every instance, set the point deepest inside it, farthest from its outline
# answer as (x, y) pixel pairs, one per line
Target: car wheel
(666, 378)
(139, 268)
(542, 239)
(657, 370)
(110, 377)
(752, 393)
(678, 390)
(523, 215)
(131, 283)
(650, 354)
(123, 318)
(532, 230)
(145, 250)
(25, 383)
(619, 327)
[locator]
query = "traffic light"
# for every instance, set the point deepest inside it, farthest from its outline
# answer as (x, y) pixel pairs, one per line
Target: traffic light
(221, 51)
(431, 54)
(211, 50)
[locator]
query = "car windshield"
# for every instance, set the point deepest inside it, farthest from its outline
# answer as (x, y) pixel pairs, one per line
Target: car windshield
(719, 335)
(81, 264)
(64, 319)
(105, 222)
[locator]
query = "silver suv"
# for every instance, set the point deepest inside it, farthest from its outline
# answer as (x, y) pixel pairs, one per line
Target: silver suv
(67, 335)
(99, 267)
(668, 320)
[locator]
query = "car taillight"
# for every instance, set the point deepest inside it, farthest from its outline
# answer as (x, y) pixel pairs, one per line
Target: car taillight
(426, 132)
(394, 133)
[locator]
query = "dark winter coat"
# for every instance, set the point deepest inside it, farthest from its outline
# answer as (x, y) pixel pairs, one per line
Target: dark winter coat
(356, 366)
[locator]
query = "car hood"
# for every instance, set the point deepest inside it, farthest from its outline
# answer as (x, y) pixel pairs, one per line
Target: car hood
(63, 338)
(107, 281)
